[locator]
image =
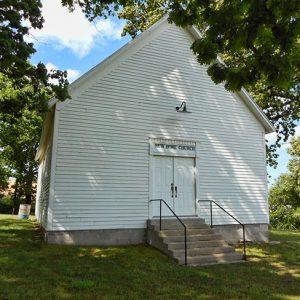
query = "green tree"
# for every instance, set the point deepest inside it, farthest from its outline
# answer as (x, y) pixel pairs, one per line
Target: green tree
(294, 167)
(284, 195)
(258, 40)
(24, 93)
(4, 174)
(20, 127)
(16, 18)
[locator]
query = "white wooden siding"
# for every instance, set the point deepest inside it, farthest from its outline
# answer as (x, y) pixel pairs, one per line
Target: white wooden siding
(42, 202)
(102, 157)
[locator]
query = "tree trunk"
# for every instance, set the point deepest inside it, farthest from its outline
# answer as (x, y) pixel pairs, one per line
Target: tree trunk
(28, 184)
(28, 198)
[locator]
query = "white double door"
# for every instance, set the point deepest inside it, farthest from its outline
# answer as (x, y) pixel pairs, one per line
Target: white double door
(173, 179)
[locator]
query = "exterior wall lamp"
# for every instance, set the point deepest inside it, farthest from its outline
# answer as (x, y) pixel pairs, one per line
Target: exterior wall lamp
(182, 108)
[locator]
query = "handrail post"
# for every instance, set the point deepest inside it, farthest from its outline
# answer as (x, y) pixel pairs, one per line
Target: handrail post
(211, 218)
(159, 215)
(211, 221)
(244, 239)
(184, 226)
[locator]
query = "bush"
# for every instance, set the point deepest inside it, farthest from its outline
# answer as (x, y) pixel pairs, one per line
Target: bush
(285, 217)
(9, 204)
(6, 205)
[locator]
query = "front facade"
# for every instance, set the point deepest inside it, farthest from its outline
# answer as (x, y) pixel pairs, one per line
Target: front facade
(119, 142)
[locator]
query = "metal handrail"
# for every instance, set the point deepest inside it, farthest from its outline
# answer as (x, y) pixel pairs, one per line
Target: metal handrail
(211, 220)
(160, 201)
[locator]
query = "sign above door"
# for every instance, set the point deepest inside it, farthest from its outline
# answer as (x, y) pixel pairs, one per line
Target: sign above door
(172, 147)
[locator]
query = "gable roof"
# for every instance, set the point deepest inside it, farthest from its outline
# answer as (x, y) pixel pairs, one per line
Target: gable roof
(243, 94)
(106, 63)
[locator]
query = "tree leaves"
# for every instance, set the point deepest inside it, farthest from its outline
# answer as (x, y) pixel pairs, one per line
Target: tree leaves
(286, 190)
(284, 195)
(16, 18)
(21, 111)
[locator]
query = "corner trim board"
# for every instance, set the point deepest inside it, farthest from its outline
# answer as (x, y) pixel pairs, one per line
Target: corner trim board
(52, 173)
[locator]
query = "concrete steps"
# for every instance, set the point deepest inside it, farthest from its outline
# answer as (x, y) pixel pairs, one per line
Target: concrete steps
(204, 246)
(197, 244)
(204, 251)
(178, 232)
(192, 238)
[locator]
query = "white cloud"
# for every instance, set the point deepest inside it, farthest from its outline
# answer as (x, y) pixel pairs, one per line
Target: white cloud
(108, 29)
(72, 74)
(50, 66)
(63, 29)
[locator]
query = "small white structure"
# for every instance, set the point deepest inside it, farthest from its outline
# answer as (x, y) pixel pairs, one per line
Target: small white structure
(120, 142)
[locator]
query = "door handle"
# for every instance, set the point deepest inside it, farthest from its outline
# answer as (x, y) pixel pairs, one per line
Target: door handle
(172, 189)
(176, 191)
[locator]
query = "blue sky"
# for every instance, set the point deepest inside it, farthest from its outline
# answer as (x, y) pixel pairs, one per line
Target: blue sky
(69, 42)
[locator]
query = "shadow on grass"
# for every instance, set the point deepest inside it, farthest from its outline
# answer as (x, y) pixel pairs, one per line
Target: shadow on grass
(285, 236)
(18, 233)
(33, 269)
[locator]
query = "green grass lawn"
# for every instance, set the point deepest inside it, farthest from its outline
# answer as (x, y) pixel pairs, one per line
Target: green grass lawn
(31, 269)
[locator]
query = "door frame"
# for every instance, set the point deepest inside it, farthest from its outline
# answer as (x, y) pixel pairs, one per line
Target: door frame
(151, 177)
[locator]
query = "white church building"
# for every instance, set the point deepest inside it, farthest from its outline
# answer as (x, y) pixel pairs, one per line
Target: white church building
(148, 122)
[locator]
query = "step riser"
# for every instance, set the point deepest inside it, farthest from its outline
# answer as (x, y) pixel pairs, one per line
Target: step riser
(189, 232)
(203, 251)
(193, 238)
(179, 227)
(190, 245)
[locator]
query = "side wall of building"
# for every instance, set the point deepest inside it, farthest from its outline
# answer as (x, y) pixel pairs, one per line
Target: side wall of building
(43, 192)
(102, 157)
